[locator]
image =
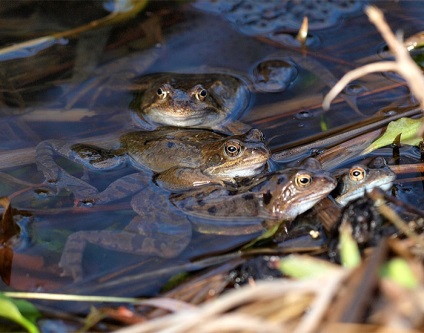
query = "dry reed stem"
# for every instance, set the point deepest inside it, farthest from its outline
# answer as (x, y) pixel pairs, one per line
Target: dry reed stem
(226, 314)
(403, 64)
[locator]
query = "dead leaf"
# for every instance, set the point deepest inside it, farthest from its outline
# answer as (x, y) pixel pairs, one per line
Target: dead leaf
(8, 227)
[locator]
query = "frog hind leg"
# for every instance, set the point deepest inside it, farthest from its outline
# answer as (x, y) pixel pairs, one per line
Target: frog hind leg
(54, 174)
(156, 231)
(180, 179)
(45, 152)
(123, 187)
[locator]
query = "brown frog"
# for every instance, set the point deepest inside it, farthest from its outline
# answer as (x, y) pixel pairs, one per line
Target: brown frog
(359, 179)
(162, 230)
(276, 196)
(181, 158)
(210, 100)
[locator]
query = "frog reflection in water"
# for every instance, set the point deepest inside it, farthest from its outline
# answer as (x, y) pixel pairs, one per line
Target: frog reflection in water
(278, 196)
(182, 158)
(209, 100)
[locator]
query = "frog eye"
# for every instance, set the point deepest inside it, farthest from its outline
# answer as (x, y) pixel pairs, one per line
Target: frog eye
(303, 180)
(232, 148)
(357, 173)
(200, 93)
(162, 93)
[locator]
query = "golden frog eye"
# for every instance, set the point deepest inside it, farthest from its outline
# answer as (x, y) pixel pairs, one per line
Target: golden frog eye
(232, 148)
(303, 180)
(357, 173)
(200, 93)
(161, 92)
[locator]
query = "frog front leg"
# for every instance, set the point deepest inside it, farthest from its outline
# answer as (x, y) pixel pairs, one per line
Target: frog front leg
(157, 230)
(180, 179)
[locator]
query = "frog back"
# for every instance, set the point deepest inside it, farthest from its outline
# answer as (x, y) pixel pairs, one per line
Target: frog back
(162, 150)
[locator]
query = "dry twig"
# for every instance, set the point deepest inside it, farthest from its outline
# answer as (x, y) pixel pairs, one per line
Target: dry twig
(403, 64)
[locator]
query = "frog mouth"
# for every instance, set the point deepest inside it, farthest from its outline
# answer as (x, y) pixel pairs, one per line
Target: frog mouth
(188, 116)
(383, 184)
(287, 210)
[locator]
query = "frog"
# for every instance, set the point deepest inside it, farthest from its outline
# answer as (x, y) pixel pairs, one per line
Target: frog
(195, 100)
(180, 158)
(353, 184)
(164, 230)
(216, 98)
(361, 178)
(277, 196)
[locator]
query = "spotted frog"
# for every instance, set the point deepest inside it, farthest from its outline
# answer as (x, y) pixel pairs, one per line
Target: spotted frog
(210, 100)
(276, 196)
(181, 158)
(164, 229)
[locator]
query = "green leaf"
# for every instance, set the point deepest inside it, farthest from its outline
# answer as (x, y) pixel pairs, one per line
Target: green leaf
(408, 129)
(349, 252)
(323, 123)
(302, 267)
(19, 311)
(398, 270)
(267, 234)
(93, 318)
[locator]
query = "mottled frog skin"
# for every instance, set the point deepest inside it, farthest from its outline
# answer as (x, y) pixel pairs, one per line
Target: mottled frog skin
(279, 195)
(164, 229)
(191, 100)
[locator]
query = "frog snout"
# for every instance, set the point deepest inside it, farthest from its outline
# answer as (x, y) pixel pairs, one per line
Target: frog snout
(180, 105)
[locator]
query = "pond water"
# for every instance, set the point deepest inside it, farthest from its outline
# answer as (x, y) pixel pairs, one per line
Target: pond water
(81, 91)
